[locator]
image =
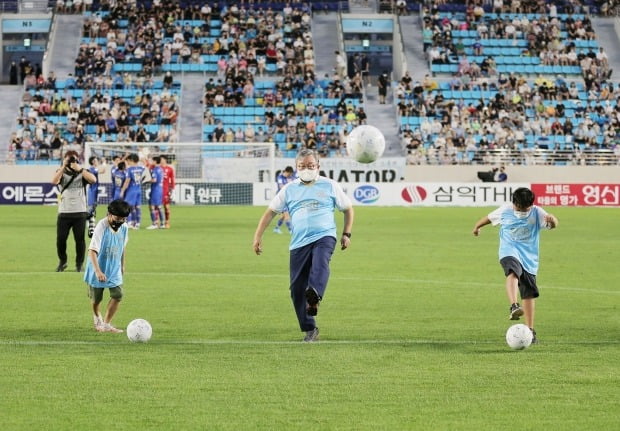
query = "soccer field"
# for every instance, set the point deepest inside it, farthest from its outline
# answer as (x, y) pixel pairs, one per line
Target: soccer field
(412, 329)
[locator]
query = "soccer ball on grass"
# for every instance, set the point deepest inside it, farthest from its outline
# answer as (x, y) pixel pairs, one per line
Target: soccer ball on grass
(139, 331)
(519, 336)
(365, 143)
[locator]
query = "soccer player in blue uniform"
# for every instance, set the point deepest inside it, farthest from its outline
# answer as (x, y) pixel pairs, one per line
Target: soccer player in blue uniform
(132, 189)
(92, 193)
(156, 196)
(118, 179)
(519, 235)
(115, 161)
(311, 201)
(106, 263)
(285, 177)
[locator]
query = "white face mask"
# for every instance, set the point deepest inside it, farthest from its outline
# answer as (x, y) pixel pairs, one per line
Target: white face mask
(308, 175)
(521, 214)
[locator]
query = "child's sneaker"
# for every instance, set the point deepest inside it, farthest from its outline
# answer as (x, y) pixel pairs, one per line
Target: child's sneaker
(109, 328)
(534, 338)
(515, 312)
(98, 323)
(153, 226)
(277, 229)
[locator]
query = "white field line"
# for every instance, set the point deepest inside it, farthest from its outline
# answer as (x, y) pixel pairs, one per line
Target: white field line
(290, 342)
(284, 276)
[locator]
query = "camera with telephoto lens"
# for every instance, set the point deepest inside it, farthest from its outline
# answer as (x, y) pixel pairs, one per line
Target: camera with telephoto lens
(68, 169)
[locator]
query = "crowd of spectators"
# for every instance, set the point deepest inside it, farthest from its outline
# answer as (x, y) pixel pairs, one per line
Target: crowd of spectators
(246, 38)
(511, 113)
(510, 108)
(549, 36)
(293, 115)
(61, 115)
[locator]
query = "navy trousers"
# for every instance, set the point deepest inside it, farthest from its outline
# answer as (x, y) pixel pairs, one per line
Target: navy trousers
(309, 268)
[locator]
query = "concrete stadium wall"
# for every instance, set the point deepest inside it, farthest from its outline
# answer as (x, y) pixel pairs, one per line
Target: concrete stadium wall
(541, 174)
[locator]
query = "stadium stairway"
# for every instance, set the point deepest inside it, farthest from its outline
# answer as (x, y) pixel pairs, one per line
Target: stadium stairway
(411, 30)
(11, 98)
(384, 118)
(363, 6)
(190, 122)
(191, 114)
(66, 40)
(326, 41)
(608, 39)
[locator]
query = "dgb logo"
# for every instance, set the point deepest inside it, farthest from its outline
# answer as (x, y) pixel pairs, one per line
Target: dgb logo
(366, 194)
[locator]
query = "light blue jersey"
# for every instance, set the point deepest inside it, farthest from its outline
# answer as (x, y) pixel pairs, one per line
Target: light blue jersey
(519, 238)
(311, 209)
(109, 246)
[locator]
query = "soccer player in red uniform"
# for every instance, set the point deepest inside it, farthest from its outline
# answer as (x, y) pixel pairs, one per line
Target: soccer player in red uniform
(168, 187)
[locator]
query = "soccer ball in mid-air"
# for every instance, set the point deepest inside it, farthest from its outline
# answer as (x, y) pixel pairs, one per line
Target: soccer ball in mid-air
(139, 331)
(365, 143)
(519, 336)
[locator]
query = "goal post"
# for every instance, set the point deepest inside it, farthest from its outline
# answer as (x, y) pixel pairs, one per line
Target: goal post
(206, 173)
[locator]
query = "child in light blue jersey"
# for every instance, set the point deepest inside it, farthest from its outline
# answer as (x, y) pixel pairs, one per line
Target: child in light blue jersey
(520, 225)
(311, 201)
(106, 263)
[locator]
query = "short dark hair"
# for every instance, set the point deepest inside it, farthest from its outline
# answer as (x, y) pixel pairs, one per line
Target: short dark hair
(523, 197)
(119, 208)
(289, 169)
(305, 152)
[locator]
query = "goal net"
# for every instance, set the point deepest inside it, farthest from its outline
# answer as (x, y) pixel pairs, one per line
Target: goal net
(205, 173)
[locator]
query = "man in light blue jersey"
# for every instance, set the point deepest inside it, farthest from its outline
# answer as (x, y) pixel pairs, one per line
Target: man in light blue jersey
(93, 192)
(132, 189)
(519, 234)
(106, 263)
(311, 201)
(285, 177)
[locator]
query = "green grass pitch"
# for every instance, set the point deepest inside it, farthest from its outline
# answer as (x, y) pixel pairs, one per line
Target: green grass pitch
(412, 329)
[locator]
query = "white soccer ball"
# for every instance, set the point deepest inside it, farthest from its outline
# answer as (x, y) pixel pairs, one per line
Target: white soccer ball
(139, 331)
(365, 143)
(519, 336)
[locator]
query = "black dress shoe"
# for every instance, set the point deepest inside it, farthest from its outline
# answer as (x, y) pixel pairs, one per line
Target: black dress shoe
(313, 299)
(61, 267)
(78, 268)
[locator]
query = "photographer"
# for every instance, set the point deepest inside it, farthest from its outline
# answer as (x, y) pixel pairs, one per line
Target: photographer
(72, 210)
(496, 175)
